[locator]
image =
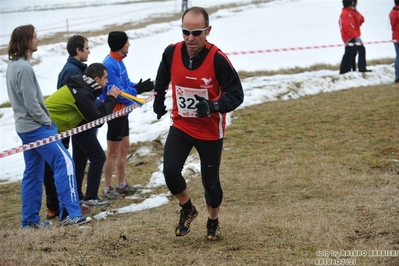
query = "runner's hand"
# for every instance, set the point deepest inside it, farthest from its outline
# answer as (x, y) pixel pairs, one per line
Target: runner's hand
(159, 106)
(204, 107)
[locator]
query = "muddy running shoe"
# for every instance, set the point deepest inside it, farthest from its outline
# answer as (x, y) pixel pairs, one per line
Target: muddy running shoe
(112, 194)
(127, 190)
(37, 225)
(75, 221)
(52, 214)
(213, 231)
(96, 203)
(186, 217)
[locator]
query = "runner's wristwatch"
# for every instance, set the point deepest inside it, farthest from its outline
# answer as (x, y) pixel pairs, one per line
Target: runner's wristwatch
(217, 107)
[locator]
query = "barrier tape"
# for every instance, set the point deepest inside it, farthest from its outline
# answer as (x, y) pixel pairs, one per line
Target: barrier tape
(121, 112)
(73, 131)
(304, 48)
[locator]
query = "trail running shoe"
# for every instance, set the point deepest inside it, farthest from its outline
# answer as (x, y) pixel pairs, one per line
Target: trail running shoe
(75, 221)
(52, 214)
(126, 190)
(213, 231)
(186, 217)
(96, 203)
(112, 194)
(37, 225)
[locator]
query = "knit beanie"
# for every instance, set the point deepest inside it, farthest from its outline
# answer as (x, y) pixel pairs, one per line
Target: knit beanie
(116, 40)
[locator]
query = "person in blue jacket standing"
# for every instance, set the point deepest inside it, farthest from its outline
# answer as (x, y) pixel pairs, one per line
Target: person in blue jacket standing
(118, 142)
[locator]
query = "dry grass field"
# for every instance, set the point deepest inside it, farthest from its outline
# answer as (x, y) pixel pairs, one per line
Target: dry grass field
(302, 178)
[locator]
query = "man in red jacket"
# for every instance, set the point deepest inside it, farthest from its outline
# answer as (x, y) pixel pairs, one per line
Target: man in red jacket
(350, 21)
(394, 18)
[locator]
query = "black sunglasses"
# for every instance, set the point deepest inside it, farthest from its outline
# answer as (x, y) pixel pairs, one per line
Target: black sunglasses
(195, 33)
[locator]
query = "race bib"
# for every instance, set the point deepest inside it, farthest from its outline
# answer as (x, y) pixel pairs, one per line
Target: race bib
(186, 101)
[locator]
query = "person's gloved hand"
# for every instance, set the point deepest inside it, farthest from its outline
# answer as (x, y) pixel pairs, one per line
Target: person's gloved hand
(204, 107)
(159, 106)
(143, 86)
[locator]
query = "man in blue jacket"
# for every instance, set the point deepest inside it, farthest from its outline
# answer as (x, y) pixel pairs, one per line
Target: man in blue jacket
(118, 142)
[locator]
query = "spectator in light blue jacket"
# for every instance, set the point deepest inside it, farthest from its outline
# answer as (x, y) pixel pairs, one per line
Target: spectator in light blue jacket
(118, 142)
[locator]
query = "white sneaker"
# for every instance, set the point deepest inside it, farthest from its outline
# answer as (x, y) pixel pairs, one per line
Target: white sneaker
(75, 221)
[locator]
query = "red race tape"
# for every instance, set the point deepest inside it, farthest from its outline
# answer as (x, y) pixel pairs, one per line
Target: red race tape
(102, 120)
(304, 48)
(72, 131)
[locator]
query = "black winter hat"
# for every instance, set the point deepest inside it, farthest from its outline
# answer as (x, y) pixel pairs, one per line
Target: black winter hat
(347, 3)
(116, 40)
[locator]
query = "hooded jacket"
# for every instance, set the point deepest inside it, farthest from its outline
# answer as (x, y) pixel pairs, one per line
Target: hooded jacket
(73, 104)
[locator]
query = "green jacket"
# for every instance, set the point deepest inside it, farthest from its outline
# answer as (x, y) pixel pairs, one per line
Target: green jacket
(73, 104)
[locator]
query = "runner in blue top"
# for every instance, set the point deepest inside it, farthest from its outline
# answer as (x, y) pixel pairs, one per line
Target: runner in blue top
(118, 142)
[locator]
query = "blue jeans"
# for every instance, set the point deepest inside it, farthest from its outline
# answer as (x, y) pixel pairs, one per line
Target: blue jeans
(62, 164)
(396, 60)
